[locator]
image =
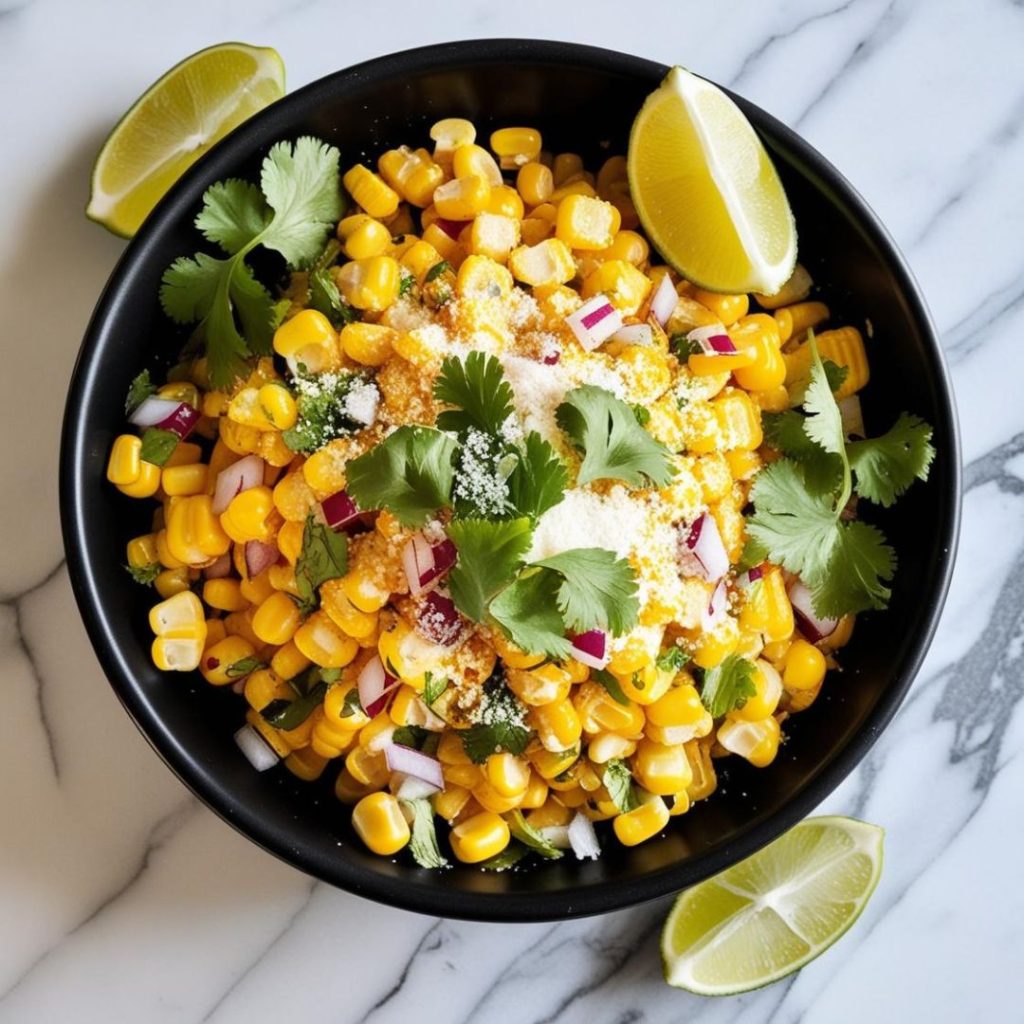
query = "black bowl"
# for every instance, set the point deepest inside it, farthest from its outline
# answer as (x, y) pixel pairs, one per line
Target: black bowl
(565, 90)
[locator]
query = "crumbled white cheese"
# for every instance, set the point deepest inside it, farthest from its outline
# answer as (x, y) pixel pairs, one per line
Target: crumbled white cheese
(361, 402)
(479, 480)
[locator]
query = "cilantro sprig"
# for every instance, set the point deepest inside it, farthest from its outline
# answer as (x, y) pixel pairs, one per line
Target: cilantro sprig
(323, 557)
(618, 780)
(799, 501)
(728, 686)
(296, 203)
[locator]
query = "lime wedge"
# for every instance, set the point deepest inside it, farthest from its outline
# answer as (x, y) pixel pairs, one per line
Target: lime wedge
(173, 123)
(706, 190)
(773, 912)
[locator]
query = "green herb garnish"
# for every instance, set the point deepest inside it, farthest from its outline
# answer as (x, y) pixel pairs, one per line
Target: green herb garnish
(144, 574)
(522, 830)
(618, 780)
(324, 556)
(158, 445)
(244, 667)
(728, 686)
(423, 844)
(139, 390)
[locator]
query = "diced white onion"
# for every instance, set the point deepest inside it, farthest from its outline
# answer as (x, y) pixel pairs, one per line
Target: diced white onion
(664, 300)
(594, 322)
(583, 838)
(256, 749)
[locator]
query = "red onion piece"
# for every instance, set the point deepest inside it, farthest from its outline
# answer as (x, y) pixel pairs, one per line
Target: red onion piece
(445, 554)
(583, 838)
(342, 513)
(591, 648)
(594, 322)
(152, 411)
(218, 568)
(259, 556)
(702, 553)
(713, 340)
(747, 579)
(256, 749)
(181, 421)
(717, 607)
(635, 334)
(238, 477)
(551, 358)
(410, 761)
(812, 625)
(663, 302)
(452, 228)
(426, 563)
(438, 620)
(375, 686)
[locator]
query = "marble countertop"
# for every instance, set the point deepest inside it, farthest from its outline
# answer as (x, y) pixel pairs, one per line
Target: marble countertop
(123, 899)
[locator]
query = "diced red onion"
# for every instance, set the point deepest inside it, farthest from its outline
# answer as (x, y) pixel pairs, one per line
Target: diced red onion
(342, 513)
(750, 577)
(713, 340)
(408, 787)
(551, 358)
(375, 685)
(556, 835)
(218, 568)
(583, 838)
(152, 411)
(594, 322)
(410, 761)
(181, 421)
(702, 552)
(426, 563)
(635, 334)
(812, 625)
(663, 302)
(438, 620)
(259, 556)
(256, 749)
(238, 477)
(717, 607)
(452, 228)
(591, 648)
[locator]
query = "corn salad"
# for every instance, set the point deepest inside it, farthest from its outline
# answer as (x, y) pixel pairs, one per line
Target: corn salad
(529, 258)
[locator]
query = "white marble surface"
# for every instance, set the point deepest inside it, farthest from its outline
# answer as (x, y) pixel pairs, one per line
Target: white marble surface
(122, 899)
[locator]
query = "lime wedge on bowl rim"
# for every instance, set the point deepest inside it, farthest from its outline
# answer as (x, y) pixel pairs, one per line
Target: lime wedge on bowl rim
(706, 190)
(173, 123)
(772, 913)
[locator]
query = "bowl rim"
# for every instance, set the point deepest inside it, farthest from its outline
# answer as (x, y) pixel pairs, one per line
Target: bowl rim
(410, 893)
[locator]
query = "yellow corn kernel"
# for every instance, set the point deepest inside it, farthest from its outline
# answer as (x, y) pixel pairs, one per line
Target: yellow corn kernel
(727, 308)
(446, 247)
(240, 624)
(705, 780)
(288, 661)
(185, 454)
(306, 764)
(331, 740)
(240, 438)
(548, 263)
(491, 800)
(370, 191)
(172, 581)
(758, 336)
(796, 289)
(308, 338)
(766, 607)
(320, 640)
(248, 516)
(264, 686)
(420, 258)
(225, 595)
(274, 737)
(577, 187)
(533, 230)
(535, 794)
(627, 245)
(474, 161)
(178, 481)
(738, 419)
(843, 346)
(586, 223)
(505, 201)
(600, 712)
(566, 165)
(448, 134)
(368, 344)
(256, 589)
(343, 613)
(625, 285)
(793, 321)
(478, 838)
(712, 649)
(535, 183)
(142, 551)
(743, 465)
(215, 632)
(377, 819)
(324, 470)
(804, 666)
(480, 276)
(550, 763)
(362, 236)
(679, 708)
(276, 620)
(368, 766)
(516, 147)
(663, 770)
(645, 684)
(178, 654)
(772, 400)
(493, 235)
(511, 655)
(768, 684)
(634, 653)
(277, 405)
(370, 284)
(557, 724)
(466, 775)
(449, 803)
(220, 657)
(147, 484)
(179, 616)
(411, 173)
(215, 403)
(125, 463)
(757, 742)
(364, 593)
(282, 577)
(339, 710)
(461, 198)
(641, 824)
(540, 686)
(346, 789)
(551, 812)
(611, 171)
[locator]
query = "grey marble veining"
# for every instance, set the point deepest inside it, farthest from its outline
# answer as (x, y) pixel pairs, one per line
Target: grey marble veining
(123, 898)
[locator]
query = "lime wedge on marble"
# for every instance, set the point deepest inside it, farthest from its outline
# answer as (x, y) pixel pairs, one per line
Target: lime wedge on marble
(173, 123)
(772, 913)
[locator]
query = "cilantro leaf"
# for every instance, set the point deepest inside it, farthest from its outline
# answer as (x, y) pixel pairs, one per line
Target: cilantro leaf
(611, 684)
(823, 423)
(254, 306)
(324, 556)
(324, 295)
(477, 386)
(834, 373)
(433, 688)
(508, 858)
(144, 574)
(527, 611)
(618, 780)
(409, 473)
(423, 844)
(410, 736)
(852, 580)
(139, 390)
(436, 271)
(234, 212)
(321, 412)
(884, 467)
(158, 445)
(672, 660)
(823, 471)
(352, 705)
(244, 667)
(501, 726)
(728, 686)
(598, 590)
(489, 556)
(539, 479)
(522, 830)
(290, 714)
(614, 445)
